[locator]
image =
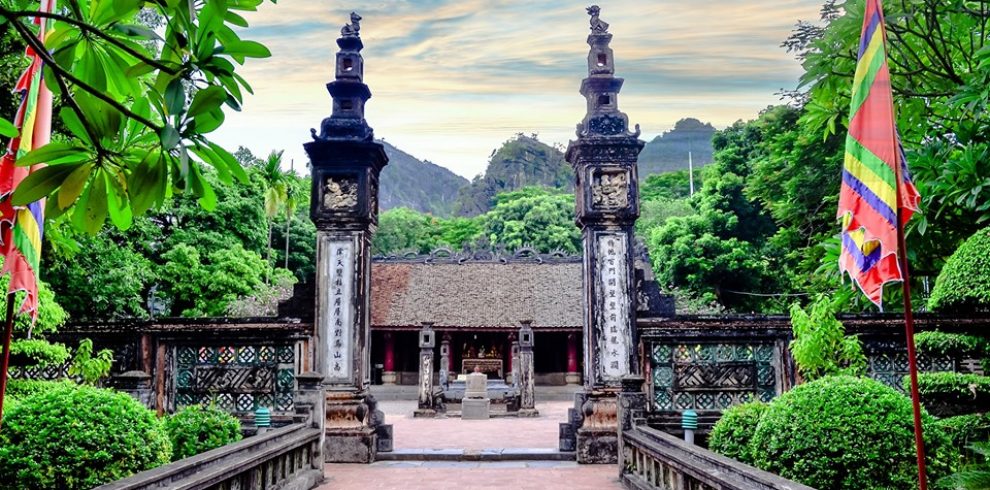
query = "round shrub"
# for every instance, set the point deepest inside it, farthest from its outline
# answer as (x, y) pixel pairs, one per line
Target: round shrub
(733, 432)
(78, 437)
(963, 284)
(196, 429)
(23, 388)
(846, 433)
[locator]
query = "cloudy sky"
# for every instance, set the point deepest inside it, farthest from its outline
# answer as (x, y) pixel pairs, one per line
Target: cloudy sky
(453, 79)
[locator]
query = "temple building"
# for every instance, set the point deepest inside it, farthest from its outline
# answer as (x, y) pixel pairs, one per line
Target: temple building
(476, 302)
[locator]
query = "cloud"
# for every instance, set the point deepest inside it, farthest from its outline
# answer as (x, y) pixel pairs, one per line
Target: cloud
(453, 79)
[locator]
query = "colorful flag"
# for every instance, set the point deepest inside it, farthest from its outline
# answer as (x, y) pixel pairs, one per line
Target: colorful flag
(21, 227)
(876, 186)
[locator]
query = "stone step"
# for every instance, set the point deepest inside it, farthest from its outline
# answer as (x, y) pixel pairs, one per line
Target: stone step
(506, 454)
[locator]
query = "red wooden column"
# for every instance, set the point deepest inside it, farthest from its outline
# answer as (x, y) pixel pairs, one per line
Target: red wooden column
(389, 376)
(573, 377)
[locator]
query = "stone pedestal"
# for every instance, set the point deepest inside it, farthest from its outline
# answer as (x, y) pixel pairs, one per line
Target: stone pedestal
(476, 405)
(137, 384)
(572, 379)
(390, 377)
(348, 438)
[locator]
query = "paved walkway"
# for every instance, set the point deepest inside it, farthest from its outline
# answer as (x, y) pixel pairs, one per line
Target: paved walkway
(454, 433)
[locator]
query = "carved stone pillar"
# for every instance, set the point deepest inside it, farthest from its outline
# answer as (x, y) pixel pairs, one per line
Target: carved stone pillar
(527, 378)
(604, 161)
(444, 377)
(389, 376)
(345, 162)
(427, 340)
(631, 411)
(514, 363)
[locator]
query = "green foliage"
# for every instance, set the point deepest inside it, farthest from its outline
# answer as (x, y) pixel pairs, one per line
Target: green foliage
(78, 437)
(964, 283)
(937, 343)
(40, 351)
(206, 286)
(976, 475)
(846, 433)
(23, 388)
(653, 214)
(951, 387)
(669, 185)
(541, 218)
(521, 162)
(820, 346)
(733, 432)
(963, 430)
(89, 367)
(404, 229)
(133, 137)
(196, 429)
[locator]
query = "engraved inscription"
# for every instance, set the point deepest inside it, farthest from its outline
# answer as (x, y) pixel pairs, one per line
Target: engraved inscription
(610, 190)
(339, 312)
(340, 193)
(614, 335)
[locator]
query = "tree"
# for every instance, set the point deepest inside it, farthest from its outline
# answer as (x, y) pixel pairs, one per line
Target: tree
(132, 137)
(402, 229)
(276, 193)
(533, 216)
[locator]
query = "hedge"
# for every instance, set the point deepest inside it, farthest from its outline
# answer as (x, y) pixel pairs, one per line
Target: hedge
(732, 433)
(964, 284)
(196, 429)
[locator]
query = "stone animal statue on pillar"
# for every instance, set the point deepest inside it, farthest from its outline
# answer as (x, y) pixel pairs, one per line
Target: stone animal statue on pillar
(597, 25)
(354, 28)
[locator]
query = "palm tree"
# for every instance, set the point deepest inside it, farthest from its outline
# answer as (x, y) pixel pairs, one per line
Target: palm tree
(276, 193)
(291, 201)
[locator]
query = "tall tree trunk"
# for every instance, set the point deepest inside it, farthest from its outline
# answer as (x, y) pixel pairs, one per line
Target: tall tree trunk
(288, 222)
(268, 252)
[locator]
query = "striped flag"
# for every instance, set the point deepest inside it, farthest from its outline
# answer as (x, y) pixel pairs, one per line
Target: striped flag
(877, 195)
(21, 227)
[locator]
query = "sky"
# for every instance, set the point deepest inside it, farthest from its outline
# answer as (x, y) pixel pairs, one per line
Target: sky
(451, 80)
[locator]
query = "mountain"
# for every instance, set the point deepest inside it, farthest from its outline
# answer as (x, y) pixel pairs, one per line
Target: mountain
(669, 151)
(421, 185)
(520, 162)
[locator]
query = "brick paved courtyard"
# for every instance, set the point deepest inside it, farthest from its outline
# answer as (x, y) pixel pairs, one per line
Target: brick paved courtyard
(473, 435)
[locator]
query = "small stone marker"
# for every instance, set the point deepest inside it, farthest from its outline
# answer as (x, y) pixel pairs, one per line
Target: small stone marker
(475, 405)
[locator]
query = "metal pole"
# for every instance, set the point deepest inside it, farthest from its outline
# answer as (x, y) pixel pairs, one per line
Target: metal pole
(8, 333)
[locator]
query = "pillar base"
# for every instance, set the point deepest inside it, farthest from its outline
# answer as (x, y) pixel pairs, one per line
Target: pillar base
(350, 446)
(528, 412)
(390, 377)
(595, 446)
(424, 413)
(572, 378)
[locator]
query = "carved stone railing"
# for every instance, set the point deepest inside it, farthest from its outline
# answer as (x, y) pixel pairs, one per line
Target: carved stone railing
(286, 458)
(656, 460)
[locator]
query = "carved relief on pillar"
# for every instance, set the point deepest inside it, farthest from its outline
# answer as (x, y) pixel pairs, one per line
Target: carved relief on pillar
(600, 413)
(609, 189)
(340, 193)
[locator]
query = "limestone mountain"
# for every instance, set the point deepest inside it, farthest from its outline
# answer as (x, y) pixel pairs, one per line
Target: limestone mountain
(415, 184)
(668, 152)
(520, 162)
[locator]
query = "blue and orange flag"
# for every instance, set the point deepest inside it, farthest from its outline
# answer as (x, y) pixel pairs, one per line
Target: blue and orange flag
(877, 196)
(21, 227)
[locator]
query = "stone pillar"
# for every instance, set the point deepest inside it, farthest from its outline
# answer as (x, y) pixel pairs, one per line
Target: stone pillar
(604, 161)
(309, 401)
(444, 376)
(389, 376)
(345, 165)
(427, 340)
(572, 377)
(527, 381)
(514, 363)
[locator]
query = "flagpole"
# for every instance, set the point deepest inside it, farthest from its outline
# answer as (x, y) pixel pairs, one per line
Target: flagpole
(919, 440)
(8, 333)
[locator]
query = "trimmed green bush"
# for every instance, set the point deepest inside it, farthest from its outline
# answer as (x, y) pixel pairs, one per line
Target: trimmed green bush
(23, 388)
(78, 437)
(950, 393)
(732, 433)
(964, 430)
(951, 344)
(196, 429)
(963, 284)
(846, 433)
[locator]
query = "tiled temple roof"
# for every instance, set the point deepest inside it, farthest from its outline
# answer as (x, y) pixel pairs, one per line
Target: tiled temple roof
(464, 292)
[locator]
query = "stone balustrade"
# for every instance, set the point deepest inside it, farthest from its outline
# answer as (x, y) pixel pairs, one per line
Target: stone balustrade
(286, 458)
(652, 459)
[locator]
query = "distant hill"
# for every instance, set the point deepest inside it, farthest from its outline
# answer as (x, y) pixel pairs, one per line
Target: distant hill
(415, 184)
(520, 162)
(669, 151)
